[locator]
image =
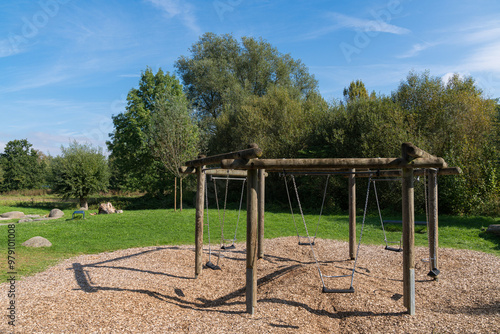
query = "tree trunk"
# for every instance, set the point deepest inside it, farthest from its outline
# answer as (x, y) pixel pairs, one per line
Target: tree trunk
(175, 193)
(180, 193)
(84, 205)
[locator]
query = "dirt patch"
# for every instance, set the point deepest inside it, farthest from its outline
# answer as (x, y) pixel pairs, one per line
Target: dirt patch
(153, 290)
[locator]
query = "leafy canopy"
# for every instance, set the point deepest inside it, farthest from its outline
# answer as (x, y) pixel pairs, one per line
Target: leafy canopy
(80, 171)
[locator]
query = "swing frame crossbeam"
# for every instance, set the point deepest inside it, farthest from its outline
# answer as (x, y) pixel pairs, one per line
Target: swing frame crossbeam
(412, 162)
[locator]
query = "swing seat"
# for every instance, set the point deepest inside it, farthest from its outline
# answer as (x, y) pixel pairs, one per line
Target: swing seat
(307, 243)
(350, 290)
(393, 249)
(228, 247)
(434, 272)
(212, 266)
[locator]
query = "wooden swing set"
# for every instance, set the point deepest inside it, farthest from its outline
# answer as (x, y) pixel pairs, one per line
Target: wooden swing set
(413, 162)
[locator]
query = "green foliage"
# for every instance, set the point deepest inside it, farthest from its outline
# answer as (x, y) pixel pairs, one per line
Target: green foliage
(22, 167)
(222, 75)
(356, 90)
(133, 165)
(279, 122)
(82, 170)
(172, 135)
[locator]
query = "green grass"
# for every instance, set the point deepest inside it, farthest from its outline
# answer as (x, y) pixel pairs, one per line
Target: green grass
(104, 233)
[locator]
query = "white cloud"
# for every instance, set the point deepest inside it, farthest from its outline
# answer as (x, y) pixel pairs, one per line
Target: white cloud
(344, 21)
(181, 9)
(341, 21)
(416, 49)
(485, 58)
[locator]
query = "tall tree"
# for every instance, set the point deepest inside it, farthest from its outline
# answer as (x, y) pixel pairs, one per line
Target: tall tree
(80, 171)
(221, 71)
(222, 75)
(23, 168)
(131, 156)
(173, 136)
(356, 90)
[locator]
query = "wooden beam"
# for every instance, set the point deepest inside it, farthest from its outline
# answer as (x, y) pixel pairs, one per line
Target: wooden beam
(305, 164)
(408, 213)
(252, 152)
(416, 172)
(252, 217)
(413, 152)
(352, 214)
(200, 201)
(261, 214)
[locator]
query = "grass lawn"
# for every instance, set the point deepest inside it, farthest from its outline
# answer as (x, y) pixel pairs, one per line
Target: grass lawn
(139, 228)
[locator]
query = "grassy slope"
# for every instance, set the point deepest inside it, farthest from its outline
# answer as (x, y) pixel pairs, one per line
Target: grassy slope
(142, 228)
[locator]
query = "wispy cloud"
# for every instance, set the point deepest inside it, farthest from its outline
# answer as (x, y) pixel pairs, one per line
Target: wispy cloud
(344, 21)
(338, 21)
(181, 9)
(416, 49)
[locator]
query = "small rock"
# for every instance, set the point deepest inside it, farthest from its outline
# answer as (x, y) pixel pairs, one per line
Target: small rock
(37, 242)
(119, 211)
(106, 208)
(56, 213)
(24, 220)
(12, 215)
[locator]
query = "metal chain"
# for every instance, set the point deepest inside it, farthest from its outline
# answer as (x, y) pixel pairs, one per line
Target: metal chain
(291, 207)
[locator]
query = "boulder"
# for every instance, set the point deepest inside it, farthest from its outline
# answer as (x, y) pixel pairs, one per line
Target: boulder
(106, 208)
(56, 213)
(12, 215)
(37, 242)
(495, 229)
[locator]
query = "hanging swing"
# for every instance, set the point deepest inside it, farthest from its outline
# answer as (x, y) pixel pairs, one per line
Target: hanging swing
(299, 237)
(225, 242)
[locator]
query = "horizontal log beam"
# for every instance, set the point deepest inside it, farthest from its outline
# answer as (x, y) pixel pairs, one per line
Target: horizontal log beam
(414, 152)
(416, 172)
(326, 164)
(250, 153)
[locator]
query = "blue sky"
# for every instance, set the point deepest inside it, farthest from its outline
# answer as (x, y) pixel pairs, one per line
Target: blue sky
(66, 66)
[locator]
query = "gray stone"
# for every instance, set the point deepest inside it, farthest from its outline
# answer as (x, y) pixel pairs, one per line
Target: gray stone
(494, 228)
(12, 215)
(37, 242)
(24, 220)
(56, 213)
(119, 211)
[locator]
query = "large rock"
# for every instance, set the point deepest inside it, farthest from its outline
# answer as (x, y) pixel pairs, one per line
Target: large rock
(56, 213)
(37, 242)
(12, 215)
(106, 208)
(494, 228)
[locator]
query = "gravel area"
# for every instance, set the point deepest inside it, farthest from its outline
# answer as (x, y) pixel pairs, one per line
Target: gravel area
(153, 290)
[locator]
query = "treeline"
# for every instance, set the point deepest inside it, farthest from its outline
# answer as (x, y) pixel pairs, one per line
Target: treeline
(230, 93)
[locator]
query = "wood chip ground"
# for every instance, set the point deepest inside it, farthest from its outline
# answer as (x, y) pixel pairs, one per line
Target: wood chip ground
(153, 290)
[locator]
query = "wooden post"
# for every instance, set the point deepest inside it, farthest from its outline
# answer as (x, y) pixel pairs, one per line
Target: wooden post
(252, 216)
(200, 201)
(408, 241)
(261, 195)
(352, 214)
(433, 221)
(175, 193)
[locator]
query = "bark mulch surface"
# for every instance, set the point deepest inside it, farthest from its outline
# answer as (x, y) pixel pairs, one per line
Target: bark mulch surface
(153, 290)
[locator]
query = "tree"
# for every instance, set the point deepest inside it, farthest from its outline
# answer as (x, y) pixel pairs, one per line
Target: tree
(454, 120)
(80, 171)
(221, 74)
(131, 156)
(23, 168)
(173, 136)
(356, 90)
